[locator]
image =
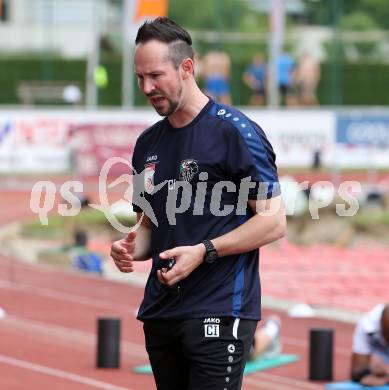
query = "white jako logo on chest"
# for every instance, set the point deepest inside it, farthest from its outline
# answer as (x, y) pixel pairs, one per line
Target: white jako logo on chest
(152, 158)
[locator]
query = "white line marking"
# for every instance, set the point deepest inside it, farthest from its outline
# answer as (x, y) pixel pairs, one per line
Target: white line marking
(287, 381)
(53, 294)
(295, 342)
(75, 337)
(130, 349)
(133, 349)
(59, 373)
(263, 384)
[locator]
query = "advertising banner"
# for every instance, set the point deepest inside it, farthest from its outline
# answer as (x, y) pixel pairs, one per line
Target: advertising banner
(57, 141)
(297, 135)
(45, 141)
(362, 141)
(363, 130)
(33, 143)
(94, 143)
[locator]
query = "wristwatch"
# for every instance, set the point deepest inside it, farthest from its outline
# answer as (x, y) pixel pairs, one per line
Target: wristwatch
(210, 252)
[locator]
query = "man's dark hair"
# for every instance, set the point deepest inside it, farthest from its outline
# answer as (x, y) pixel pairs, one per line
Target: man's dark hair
(166, 30)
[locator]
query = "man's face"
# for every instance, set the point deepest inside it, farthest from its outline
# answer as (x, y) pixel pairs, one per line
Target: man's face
(157, 77)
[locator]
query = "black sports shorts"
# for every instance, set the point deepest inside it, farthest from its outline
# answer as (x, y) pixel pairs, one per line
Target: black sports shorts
(199, 354)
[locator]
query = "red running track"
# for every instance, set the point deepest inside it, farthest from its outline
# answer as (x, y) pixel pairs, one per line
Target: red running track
(48, 336)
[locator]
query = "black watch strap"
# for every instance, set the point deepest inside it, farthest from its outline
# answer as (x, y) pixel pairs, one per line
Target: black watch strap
(210, 252)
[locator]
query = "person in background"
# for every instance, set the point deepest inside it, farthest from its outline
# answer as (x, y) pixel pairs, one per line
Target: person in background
(255, 78)
(216, 72)
(267, 340)
(286, 67)
(307, 79)
(370, 357)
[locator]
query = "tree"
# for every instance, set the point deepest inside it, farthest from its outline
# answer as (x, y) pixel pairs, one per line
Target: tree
(319, 11)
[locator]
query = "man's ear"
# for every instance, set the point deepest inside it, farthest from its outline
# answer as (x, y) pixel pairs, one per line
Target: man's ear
(187, 67)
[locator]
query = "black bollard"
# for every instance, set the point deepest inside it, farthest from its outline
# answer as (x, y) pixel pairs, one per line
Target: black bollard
(320, 354)
(108, 343)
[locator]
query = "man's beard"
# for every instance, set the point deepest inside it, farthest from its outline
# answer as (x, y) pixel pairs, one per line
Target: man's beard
(172, 104)
(171, 108)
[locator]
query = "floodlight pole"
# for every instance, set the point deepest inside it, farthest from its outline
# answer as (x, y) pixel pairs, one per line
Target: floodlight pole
(127, 54)
(276, 36)
(93, 60)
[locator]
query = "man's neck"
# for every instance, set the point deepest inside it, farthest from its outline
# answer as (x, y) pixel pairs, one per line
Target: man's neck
(190, 108)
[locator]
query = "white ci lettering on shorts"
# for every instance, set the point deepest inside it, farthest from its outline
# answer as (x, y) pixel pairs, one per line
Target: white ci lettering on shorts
(211, 330)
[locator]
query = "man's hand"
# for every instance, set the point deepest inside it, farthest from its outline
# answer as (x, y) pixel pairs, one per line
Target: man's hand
(122, 252)
(187, 259)
(374, 380)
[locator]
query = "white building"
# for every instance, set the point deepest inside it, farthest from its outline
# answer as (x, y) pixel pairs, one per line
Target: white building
(67, 27)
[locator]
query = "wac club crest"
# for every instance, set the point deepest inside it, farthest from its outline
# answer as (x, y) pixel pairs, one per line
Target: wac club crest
(188, 169)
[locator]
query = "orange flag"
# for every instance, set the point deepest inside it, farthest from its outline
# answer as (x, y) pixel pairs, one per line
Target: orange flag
(150, 8)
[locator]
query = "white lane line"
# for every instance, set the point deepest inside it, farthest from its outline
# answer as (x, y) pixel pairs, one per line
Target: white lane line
(137, 351)
(72, 336)
(98, 303)
(270, 384)
(304, 344)
(287, 381)
(59, 373)
(130, 346)
(263, 384)
(67, 297)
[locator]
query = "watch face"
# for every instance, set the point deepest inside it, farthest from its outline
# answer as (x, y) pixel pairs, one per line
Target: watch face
(211, 256)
